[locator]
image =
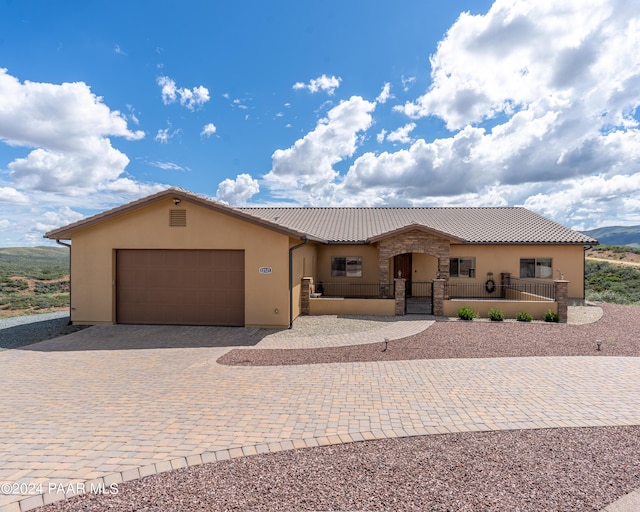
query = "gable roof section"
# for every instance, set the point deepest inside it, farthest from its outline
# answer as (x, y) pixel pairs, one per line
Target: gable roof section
(483, 225)
(415, 227)
(65, 232)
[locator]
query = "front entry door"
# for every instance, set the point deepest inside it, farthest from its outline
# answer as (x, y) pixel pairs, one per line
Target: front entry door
(402, 267)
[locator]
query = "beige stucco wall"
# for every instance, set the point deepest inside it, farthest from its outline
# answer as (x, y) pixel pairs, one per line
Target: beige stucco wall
(369, 254)
(336, 306)
(304, 264)
(93, 258)
(510, 309)
(568, 259)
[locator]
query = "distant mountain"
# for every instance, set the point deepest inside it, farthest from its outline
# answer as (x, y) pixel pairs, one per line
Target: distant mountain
(616, 235)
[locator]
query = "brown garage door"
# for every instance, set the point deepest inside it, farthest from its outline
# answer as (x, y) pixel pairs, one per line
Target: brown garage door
(188, 287)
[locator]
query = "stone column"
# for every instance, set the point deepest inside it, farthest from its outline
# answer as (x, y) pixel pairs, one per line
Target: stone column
(305, 292)
(438, 296)
(400, 285)
(562, 293)
(443, 267)
(383, 275)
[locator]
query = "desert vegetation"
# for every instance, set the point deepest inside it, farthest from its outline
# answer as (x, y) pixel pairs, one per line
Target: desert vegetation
(33, 280)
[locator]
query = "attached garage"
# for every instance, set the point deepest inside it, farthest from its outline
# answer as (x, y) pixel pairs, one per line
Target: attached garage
(182, 287)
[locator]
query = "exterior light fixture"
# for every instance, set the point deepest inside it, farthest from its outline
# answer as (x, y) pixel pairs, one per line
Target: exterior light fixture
(599, 344)
(176, 201)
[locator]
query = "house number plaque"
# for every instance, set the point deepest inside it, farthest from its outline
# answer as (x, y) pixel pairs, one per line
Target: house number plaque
(265, 270)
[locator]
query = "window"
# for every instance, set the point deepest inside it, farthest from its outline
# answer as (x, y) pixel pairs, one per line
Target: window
(540, 268)
(349, 266)
(462, 267)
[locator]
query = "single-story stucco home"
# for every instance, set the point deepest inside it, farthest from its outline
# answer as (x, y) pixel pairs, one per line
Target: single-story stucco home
(176, 257)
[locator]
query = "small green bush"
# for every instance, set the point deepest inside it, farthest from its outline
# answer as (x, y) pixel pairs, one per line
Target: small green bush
(496, 315)
(467, 313)
(550, 316)
(523, 316)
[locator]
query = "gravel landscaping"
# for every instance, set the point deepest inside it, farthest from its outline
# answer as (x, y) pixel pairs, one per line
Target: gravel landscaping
(19, 331)
(618, 330)
(568, 469)
(526, 470)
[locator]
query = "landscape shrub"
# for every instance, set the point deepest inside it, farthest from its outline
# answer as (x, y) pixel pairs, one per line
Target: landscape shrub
(550, 316)
(467, 313)
(496, 315)
(523, 316)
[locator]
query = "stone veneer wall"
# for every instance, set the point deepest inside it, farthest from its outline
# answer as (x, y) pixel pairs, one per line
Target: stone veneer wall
(413, 241)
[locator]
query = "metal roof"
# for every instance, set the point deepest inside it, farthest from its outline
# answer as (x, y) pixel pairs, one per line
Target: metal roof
(483, 225)
(500, 225)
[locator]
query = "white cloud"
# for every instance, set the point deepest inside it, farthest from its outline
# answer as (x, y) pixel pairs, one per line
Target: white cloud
(407, 82)
(521, 52)
(208, 130)
(237, 192)
(385, 94)
(168, 166)
(11, 195)
(329, 84)
(308, 164)
(541, 99)
(5, 224)
(190, 98)
(381, 136)
(402, 134)
(130, 188)
(54, 219)
(69, 126)
(165, 135)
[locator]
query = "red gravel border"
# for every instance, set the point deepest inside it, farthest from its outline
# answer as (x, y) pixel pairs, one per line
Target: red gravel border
(582, 469)
(619, 329)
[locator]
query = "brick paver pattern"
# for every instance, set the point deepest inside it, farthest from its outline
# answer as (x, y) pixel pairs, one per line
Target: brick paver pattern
(114, 415)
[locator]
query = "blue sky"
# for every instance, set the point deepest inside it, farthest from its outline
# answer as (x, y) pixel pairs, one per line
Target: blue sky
(332, 103)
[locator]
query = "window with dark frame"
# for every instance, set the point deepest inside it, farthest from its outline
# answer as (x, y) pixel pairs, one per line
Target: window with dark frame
(346, 266)
(536, 268)
(462, 267)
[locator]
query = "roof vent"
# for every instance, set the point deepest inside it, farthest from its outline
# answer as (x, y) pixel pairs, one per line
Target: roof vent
(177, 218)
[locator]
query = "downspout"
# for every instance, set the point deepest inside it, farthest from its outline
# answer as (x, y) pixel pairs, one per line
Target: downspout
(69, 246)
(291, 249)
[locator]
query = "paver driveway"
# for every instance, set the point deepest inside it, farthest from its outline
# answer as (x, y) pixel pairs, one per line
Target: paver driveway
(116, 414)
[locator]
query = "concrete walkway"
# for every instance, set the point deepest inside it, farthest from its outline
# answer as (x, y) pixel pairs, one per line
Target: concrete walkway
(111, 414)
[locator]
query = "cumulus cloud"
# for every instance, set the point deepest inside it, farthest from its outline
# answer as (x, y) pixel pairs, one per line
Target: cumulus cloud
(325, 83)
(69, 126)
(237, 192)
(519, 53)
(208, 130)
(192, 99)
(541, 102)
(308, 164)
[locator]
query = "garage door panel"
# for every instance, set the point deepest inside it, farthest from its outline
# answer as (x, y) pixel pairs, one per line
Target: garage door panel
(191, 287)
